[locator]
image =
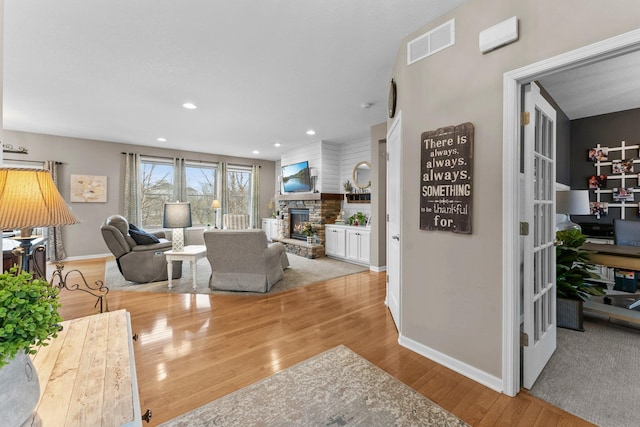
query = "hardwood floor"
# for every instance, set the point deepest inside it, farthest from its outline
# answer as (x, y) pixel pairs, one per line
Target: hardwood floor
(196, 348)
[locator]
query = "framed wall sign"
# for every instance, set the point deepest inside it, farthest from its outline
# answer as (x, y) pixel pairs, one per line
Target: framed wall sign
(446, 179)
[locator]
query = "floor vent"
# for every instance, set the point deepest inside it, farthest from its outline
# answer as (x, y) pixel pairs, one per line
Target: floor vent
(429, 43)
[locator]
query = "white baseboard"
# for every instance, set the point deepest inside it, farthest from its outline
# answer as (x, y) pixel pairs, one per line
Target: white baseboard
(85, 257)
(378, 269)
(462, 368)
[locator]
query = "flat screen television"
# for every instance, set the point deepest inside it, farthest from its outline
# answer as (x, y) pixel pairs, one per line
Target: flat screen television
(296, 178)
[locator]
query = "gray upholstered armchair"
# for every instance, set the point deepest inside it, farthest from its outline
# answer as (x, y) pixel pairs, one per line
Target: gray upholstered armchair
(141, 261)
(243, 260)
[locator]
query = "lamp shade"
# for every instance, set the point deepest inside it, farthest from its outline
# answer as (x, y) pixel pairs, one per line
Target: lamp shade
(177, 215)
(29, 198)
(215, 204)
(573, 202)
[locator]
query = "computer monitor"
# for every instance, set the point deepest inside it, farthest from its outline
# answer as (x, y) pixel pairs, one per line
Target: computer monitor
(626, 232)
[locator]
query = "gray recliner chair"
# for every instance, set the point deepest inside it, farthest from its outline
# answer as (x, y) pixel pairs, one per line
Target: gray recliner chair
(243, 260)
(142, 263)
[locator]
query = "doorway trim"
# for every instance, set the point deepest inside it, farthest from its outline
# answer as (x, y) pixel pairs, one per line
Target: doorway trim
(512, 84)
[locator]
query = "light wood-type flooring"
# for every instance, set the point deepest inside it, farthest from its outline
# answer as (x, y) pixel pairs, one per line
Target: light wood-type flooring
(196, 348)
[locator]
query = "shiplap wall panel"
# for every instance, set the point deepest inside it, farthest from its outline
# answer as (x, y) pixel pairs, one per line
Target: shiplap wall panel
(334, 163)
(329, 172)
(351, 154)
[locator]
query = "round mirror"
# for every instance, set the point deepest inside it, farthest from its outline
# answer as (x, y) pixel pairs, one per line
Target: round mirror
(362, 175)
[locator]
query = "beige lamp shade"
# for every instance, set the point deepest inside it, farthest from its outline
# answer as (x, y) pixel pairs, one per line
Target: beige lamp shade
(215, 204)
(29, 198)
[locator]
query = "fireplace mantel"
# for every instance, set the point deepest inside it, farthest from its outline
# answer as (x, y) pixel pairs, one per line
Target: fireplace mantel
(309, 196)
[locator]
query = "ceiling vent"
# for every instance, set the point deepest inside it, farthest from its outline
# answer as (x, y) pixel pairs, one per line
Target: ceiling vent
(429, 43)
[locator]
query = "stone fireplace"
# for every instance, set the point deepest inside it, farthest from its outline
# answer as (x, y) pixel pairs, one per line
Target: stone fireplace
(297, 219)
(321, 208)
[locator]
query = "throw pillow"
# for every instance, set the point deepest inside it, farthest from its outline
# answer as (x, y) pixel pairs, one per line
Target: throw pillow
(141, 237)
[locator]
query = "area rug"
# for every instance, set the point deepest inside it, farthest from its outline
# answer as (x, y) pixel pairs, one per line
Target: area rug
(334, 388)
(595, 374)
(301, 272)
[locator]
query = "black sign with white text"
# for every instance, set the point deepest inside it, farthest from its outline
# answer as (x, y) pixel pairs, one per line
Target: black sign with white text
(446, 179)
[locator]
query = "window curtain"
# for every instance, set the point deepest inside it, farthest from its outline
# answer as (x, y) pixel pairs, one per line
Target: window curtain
(223, 191)
(132, 189)
(179, 180)
(255, 197)
(55, 247)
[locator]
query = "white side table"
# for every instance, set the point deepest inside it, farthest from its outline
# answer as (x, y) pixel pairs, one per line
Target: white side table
(191, 253)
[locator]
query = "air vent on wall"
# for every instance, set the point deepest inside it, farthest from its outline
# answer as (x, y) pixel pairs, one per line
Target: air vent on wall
(429, 43)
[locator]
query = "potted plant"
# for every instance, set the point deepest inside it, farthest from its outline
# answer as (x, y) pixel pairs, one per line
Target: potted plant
(28, 318)
(308, 230)
(573, 266)
(358, 218)
(348, 188)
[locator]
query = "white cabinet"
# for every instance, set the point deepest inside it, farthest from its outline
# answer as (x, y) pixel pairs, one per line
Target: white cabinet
(270, 227)
(358, 245)
(348, 242)
(334, 244)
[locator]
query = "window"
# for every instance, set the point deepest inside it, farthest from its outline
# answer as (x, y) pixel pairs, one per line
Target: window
(201, 191)
(159, 184)
(239, 189)
(156, 188)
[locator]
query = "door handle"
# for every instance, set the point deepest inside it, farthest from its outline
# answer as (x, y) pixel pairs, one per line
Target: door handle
(396, 237)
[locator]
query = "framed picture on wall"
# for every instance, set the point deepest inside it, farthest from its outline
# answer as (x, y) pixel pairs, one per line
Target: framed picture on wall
(599, 208)
(88, 189)
(598, 154)
(598, 181)
(622, 166)
(623, 194)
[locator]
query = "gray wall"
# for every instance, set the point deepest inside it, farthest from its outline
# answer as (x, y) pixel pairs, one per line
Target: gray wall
(452, 283)
(608, 130)
(379, 196)
(83, 156)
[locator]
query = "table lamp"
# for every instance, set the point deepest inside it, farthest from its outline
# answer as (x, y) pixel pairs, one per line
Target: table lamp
(573, 202)
(177, 216)
(215, 205)
(29, 198)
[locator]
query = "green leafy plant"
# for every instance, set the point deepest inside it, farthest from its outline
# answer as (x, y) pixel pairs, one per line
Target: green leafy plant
(573, 267)
(308, 229)
(28, 314)
(348, 188)
(358, 218)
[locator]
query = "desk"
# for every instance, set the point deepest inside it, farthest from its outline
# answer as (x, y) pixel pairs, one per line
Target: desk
(618, 256)
(191, 253)
(9, 259)
(87, 374)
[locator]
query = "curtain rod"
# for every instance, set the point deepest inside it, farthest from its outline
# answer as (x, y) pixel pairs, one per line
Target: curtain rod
(32, 161)
(190, 160)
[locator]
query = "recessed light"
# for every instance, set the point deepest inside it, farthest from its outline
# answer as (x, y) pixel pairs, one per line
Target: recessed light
(162, 140)
(311, 132)
(277, 144)
(189, 106)
(255, 152)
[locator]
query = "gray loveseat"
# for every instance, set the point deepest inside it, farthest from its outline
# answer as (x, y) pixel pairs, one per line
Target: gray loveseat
(243, 260)
(141, 263)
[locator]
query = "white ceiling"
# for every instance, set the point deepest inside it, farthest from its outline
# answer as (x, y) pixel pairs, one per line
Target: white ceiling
(260, 71)
(602, 87)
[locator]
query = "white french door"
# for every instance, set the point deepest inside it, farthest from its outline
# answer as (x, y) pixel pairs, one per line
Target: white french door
(539, 263)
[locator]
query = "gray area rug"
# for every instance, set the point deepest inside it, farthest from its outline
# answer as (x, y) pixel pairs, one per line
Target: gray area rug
(334, 388)
(301, 272)
(595, 374)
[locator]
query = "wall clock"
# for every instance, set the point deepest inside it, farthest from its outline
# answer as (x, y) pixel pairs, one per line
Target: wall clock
(393, 95)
